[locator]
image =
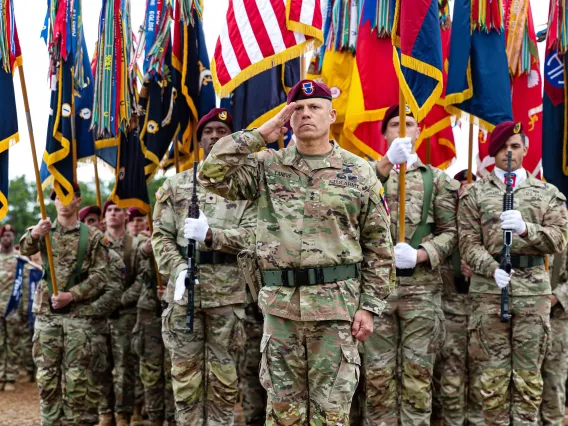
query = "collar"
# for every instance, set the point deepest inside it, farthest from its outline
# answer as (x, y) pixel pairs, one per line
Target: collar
(291, 157)
(56, 225)
(520, 175)
(118, 242)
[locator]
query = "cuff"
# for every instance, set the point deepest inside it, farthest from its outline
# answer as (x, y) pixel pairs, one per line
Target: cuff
(372, 304)
(561, 294)
(489, 267)
(255, 143)
(76, 294)
(432, 254)
(180, 267)
(532, 231)
(216, 239)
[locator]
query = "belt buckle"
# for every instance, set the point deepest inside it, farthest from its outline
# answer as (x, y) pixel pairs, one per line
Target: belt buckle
(301, 277)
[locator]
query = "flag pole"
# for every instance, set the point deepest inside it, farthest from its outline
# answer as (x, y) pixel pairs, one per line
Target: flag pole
(97, 184)
(38, 179)
(303, 70)
(470, 152)
(402, 174)
(176, 155)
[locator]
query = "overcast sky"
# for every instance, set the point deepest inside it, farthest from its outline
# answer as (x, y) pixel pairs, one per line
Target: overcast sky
(30, 16)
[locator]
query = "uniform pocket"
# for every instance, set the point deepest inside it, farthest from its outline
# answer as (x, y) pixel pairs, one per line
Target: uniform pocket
(347, 378)
(478, 350)
(546, 341)
(264, 373)
(238, 337)
(439, 333)
(137, 340)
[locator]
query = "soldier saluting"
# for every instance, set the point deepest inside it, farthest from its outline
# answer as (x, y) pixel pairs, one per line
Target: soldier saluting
(510, 354)
(324, 250)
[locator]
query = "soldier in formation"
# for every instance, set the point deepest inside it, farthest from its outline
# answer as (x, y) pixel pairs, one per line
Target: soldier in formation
(204, 363)
(324, 251)
(508, 356)
(61, 342)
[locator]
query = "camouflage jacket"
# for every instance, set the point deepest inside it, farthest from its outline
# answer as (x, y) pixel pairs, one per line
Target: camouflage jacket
(132, 286)
(560, 287)
(8, 265)
(441, 216)
(232, 224)
(147, 276)
(452, 301)
(109, 300)
(328, 216)
(481, 237)
(65, 242)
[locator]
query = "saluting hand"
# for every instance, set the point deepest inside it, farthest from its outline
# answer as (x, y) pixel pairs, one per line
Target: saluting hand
(273, 128)
(42, 228)
(362, 326)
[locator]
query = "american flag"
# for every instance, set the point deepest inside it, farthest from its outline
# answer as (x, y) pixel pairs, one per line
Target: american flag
(260, 34)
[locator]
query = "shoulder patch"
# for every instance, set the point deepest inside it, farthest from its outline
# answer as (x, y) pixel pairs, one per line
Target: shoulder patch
(384, 199)
(160, 193)
(106, 242)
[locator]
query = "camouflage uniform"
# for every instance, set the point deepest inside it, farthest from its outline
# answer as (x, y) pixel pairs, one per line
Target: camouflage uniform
(312, 214)
(254, 395)
(450, 403)
(12, 327)
(511, 354)
(148, 345)
(61, 342)
(555, 365)
(411, 330)
(203, 395)
(102, 307)
(119, 381)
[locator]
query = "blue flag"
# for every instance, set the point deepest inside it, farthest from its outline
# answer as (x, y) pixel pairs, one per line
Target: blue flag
(84, 136)
(35, 277)
(16, 295)
(8, 133)
(478, 74)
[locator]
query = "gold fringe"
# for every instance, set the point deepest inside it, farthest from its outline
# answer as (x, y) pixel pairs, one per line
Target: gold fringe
(261, 66)
(9, 141)
(459, 97)
(479, 122)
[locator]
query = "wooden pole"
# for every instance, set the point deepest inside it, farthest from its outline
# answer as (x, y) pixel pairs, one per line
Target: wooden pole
(97, 184)
(402, 174)
(176, 155)
(38, 179)
(428, 151)
(303, 68)
(470, 151)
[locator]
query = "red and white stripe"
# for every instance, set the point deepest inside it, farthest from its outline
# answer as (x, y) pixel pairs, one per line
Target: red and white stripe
(259, 29)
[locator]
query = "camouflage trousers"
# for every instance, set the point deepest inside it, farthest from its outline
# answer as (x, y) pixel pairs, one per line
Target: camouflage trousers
(555, 371)
(253, 394)
(204, 363)
(155, 368)
(9, 349)
(509, 356)
(119, 380)
(98, 368)
(310, 370)
(406, 338)
(450, 373)
(62, 353)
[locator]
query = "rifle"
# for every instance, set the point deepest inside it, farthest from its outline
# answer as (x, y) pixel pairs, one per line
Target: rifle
(191, 277)
(505, 263)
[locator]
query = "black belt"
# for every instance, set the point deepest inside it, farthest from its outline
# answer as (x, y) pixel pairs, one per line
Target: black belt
(407, 272)
(215, 258)
(521, 261)
(311, 276)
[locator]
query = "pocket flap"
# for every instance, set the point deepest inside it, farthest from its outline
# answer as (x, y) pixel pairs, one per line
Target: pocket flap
(351, 354)
(264, 342)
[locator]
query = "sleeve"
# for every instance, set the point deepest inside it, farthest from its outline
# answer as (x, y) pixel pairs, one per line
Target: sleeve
(238, 239)
(446, 233)
(168, 257)
(552, 235)
(382, 179)
(232, 169)
(29, 245)
(132, 294)
(96, 279)
(472, 250)
(109, 300)
(377, 269)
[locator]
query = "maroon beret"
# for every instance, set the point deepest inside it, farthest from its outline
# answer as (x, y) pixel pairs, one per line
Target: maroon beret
(463, 176)
(88, 210)
(76, 190)
(501, 135)
(106, 205)
(216, 114)
(392, 112)
(7, 228)
(308, 89)
(134, 212)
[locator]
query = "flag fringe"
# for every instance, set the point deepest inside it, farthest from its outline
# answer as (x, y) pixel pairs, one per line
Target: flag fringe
(263, 65)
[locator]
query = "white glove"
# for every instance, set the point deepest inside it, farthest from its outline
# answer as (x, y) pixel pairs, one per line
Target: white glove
(405, 256)
(180, 285)
(502, 278)
(513, 220)
(196, 229)
(399, 151)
